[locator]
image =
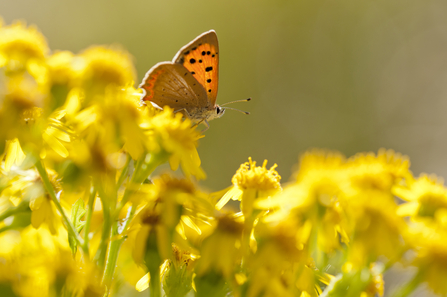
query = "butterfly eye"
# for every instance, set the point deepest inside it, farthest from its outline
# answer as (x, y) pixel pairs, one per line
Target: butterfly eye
(218, 109)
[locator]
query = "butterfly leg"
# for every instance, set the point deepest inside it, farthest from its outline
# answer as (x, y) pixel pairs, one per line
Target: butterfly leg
(187, 114)
(183, 109)
(205, 122)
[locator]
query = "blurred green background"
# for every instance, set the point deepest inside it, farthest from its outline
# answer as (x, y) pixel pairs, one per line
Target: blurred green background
(346, 75)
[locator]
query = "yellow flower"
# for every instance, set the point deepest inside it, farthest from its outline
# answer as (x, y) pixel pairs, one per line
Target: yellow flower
(22, 48)
(104, 128)
(426, 196)
(26, 185)
(429, 243)
(169, 133)
(63, 68)
(376, 229)
(20, 111)
(278, 261)
(57, 135)
(43, 211)
(84, 280)
(226, 238)
(371, 208)
(313, 201)
(64, 71)
(14, 154)
(378, 173)
(170, 203)
(321, 180)
(34, 262)
(177, 277)
(105, 67)
(251, 183)
(22, 93)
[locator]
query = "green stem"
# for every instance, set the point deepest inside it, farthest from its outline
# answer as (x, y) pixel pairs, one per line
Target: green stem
(124, 172)
(22, 207)
(153, 261)
(155, 284)
(90, 209)
(107, 226)
(49, 187)
(127, 192)
(114, 249)
(142, 171)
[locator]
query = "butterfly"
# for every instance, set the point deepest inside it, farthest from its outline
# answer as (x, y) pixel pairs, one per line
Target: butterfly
(189, 83)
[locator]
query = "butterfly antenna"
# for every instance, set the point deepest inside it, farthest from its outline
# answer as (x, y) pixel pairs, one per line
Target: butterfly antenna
(245, 112)
(243, 100)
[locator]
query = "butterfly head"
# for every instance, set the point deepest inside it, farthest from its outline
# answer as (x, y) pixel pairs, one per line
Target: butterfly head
(211, 114)
(219, 111)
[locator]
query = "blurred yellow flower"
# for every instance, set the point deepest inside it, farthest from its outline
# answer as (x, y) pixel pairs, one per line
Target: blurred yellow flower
(26, 185)
(168, 133)
(13, 154)
(105, 68)
(313, 201)
(370, 206)
(64, 68)
(278, 262)
(220, 251)
(22, 48)
(104, 129)
(378, 173)
(34, 262)
(426, 198)
(57, 136)
(429, 242)
(172, 205)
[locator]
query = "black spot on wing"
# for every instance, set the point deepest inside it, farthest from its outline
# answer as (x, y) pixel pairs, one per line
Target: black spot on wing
(208, 69)
(208, 80)
(192, 60)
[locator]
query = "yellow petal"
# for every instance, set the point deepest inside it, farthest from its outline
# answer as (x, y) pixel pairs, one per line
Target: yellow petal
(143, 283)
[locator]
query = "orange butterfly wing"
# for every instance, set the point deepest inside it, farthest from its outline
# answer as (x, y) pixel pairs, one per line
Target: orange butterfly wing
(201, 58)
(172, 84)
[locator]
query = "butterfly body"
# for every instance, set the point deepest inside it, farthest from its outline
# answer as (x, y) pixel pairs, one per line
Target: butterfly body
(189, 83)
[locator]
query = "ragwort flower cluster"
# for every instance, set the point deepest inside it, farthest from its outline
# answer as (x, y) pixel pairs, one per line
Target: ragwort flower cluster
(83, 211)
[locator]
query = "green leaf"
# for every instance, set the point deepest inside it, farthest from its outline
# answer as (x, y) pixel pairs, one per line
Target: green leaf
(77, 212)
